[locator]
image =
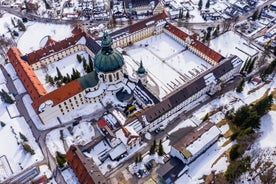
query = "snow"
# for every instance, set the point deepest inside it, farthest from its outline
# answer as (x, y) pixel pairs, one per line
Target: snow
(2, 78)
(65, 65)
(268, 129)
(12, 110)
(80, 134)
(37, 31)
(229, 43)
(18, 159)
(167, 62)
(19, 86)
(69, 176)
(203, 140)
(198, 168)
(217, 117)
(11, 71)
(182, 124)
(148, 136)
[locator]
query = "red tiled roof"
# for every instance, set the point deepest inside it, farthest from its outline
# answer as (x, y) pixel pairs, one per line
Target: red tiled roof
(195, 43)
(206, 51)
(59, 95)
(142, 24)
(35, 56)
(102, 123)
(49, 42)
(25, 73)
(174, 30)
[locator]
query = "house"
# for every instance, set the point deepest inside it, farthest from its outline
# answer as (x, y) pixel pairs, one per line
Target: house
(241, 6)
(192, 145)
(144, 6)
(84, 168)
(168, 172)
(128, 136)
(256, 80)
(273, 6)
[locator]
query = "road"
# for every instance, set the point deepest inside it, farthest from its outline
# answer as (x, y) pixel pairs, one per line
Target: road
(38, 134)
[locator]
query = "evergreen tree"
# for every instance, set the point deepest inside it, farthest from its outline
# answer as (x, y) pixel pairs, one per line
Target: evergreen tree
(90, 63)
(160, 149)
(68, 77)
(51, 80)
(13, 23)
(200, 4)
(2, 124)
(6, 97)
(21, 25)
(216, 32)
(79, 58)
(47, 6)
(59, 75)
(207, 5)
(263, 105)
(60, 159)
(239, 88)
(23, 137)
(180, 14)
(255, 15)
(250, 66)
(152, 148)
(28, 148)
(187, 15)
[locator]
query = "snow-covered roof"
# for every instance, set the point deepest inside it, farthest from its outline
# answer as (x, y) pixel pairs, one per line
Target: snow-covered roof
(118, 151)
(203, 140)
(195, 141)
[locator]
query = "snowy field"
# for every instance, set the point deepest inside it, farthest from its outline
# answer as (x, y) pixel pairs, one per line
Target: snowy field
(198, 168)
(169, 65)
(65, 65)
(80, 134)
(231, 43)
(18, 159)
(30, 40)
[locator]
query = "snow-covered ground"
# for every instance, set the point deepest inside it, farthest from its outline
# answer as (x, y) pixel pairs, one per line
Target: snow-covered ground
(102, 149)
(206, 163)
(80, 134)
(231, 43)
(37, 31)
(17, 158)
(65, 66)
(168, 63)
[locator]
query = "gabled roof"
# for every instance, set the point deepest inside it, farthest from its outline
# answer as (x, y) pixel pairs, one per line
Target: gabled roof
(15, 55)
(177, 32)
(35, 56)
(102, 123)
(138, 3)
(195, 43)
(188, 139)
(185, 92)
(50, 41)
(142, 24)
(61, 94)
(207, 51)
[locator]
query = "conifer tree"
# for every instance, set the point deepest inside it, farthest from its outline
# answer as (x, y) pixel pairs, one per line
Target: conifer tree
(160, 149)
(200, 4)
(207, 5)
(59, 75)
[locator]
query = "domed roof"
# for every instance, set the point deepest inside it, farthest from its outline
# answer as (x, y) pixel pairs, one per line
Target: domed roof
(141, 69)
(108, 59)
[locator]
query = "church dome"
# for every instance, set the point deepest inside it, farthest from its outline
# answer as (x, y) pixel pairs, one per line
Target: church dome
(108, 59)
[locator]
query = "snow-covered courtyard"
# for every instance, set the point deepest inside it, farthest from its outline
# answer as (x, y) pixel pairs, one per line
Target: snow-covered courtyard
(168, 63)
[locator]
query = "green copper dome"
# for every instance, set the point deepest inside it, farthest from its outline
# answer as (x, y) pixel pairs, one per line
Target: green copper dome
(141, 69)
(108, 59)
